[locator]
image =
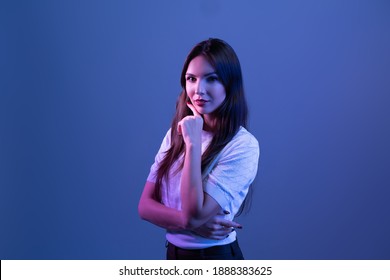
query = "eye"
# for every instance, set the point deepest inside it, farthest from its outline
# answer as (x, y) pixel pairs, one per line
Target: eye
(212, 79)
(190, 79)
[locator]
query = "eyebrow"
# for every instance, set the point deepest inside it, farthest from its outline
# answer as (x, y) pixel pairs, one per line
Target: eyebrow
(208, 74)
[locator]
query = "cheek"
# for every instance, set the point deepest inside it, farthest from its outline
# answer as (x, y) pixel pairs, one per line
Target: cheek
(221, 94)
(189, 90)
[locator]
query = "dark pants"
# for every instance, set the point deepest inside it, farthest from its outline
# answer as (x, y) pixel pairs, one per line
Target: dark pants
(230, 251)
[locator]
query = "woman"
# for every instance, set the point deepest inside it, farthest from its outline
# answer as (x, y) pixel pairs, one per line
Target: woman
(207, 160)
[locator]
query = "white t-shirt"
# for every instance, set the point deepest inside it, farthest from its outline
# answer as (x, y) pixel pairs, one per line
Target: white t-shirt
(227, 181)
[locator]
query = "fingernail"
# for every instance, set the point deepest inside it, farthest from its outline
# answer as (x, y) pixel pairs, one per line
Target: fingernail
(226, 212)
(240, 227)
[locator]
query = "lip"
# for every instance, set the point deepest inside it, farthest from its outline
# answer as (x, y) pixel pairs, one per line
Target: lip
(200, 102)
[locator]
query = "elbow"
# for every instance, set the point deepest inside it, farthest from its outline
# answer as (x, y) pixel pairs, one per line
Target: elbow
(191, 222)
(142, 210)
(190, 225)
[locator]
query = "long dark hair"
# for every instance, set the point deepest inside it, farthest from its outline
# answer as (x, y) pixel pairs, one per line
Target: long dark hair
(229, 116)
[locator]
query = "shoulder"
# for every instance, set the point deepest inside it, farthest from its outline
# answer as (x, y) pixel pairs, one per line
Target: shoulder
(242, 145)
(166, 142)
(167, 137)
(243, 135)
(243, 139)
(168, 134)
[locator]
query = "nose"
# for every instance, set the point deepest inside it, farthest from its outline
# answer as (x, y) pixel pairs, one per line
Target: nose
(200, 88)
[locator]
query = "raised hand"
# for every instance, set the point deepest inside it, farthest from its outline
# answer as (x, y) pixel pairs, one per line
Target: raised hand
(191, 127)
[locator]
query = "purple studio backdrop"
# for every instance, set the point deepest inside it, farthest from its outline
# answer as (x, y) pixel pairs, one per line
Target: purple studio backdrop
(88, 90)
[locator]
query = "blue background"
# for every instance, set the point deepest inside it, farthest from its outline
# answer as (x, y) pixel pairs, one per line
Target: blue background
(88, 89)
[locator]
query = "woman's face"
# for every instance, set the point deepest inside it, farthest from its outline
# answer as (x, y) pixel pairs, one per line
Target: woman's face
(203, 86)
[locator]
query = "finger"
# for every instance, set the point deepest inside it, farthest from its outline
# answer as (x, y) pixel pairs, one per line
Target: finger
(196, 113)
(230, 224)
(215, 234)
(212, 235)
(221, 234)
(218, 237)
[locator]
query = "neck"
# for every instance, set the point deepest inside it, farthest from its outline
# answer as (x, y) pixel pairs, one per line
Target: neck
(209, 123)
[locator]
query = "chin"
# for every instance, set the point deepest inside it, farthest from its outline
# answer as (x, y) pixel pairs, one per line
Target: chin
(202, 111)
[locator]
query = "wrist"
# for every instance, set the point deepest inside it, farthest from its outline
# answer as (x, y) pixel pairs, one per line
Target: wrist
(193, 147)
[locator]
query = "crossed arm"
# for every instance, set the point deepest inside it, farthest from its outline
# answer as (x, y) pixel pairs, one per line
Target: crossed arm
(200, 212)
(210, 223)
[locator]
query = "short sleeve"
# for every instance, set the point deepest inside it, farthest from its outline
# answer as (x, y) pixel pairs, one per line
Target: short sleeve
(229, 180)
(165, 145)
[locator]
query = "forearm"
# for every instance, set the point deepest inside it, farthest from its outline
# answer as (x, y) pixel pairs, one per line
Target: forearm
(155, 212)
(161, 215)
(192, 195)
